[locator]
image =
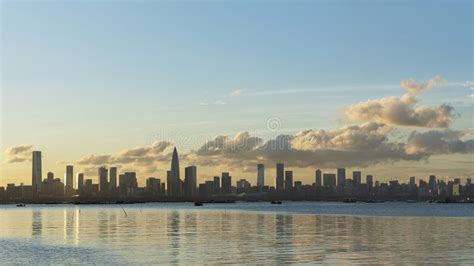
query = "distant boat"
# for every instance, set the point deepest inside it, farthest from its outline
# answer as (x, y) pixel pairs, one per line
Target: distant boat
(198, 204)
(21, 205)
(349, 200)
(276, 202)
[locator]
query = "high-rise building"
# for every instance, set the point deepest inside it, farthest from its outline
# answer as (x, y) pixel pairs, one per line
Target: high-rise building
(433, 185)
(128, 183)
(103, 184)
(298, 185)
(153, 186)
(369, 180)
(260, 175)
(208, 187)
(412, 181)
(329, 180)
(217, 185)
(288, 180)
(175, 179)
(357, 176)
(341, 177)
(36, 174)
(80, 181)
(69, 177)
(280, 175)
(190, 180)
(226, 183)
(317, 178)
(168, 183)
(113, 177)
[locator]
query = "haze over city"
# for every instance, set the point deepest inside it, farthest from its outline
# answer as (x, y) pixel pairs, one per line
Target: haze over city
(93, 84)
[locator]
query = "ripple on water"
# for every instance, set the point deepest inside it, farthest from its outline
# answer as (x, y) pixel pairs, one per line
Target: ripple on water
(179, 233)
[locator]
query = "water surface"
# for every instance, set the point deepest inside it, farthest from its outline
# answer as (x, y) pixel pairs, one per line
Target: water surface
(295, 232)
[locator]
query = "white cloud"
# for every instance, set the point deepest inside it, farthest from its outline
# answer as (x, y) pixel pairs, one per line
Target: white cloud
(403, 110)
(353, 146)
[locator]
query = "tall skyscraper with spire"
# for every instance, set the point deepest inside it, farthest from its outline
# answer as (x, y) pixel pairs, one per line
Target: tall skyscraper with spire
(175, 180)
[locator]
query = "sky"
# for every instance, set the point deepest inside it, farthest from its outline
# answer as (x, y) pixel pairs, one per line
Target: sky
(382, 86)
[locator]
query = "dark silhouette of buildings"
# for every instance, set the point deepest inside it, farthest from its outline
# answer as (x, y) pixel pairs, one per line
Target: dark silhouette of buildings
(327, 186)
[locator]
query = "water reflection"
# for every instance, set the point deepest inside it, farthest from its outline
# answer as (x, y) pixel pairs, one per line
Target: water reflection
(36, 223)
(173, 236)
(167, 235)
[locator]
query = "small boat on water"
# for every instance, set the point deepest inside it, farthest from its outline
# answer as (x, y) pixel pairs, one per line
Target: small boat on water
(276, 202)
(349, 200)
(21, 205)
(197, 203)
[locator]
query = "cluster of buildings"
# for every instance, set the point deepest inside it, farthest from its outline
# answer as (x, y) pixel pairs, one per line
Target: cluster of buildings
(327, 186)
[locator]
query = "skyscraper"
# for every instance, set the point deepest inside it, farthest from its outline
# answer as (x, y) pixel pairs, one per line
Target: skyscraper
(128, 183)
(69, 178)
(356, 176)
(190, 176)
(80, 181)
(175, 180)
(217, 185)
(103, 184)
(36, 173)
(280, 175)
(226, 183)
(369, 181)
(260, 175)
(341, 177)
(288, 180)
(433, 185)
(317, 178)
(329, 180)
(113, 177)
(168, 183)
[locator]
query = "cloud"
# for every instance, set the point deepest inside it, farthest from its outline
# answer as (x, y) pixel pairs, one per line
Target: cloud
(352, 146)
(414, 87)
(18, 154)
(142, 156)
(439, 142)
(236, 93)
(402, 110)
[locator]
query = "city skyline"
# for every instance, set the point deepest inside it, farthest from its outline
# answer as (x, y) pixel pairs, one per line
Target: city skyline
(105, 99)
(237, 132)
(326, 186)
